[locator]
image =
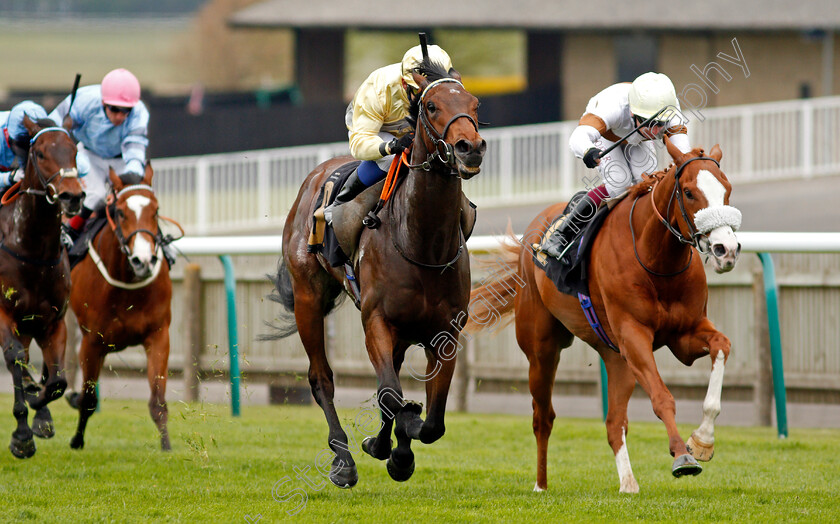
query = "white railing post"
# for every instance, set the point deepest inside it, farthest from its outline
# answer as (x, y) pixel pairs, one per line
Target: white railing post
(567, 160)
(505, 167)
(202, 194)
(807, 148)
(747, 144)
(263, 195)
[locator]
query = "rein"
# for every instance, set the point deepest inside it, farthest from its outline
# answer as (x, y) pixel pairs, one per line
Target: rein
(693, 233)
(125, 285)
(442, 152)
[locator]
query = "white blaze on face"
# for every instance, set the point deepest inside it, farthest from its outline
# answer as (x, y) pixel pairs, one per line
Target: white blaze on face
(718, 214)
(142, 247)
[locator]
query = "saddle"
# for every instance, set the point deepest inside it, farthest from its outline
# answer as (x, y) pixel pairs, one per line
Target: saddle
(338, 243)
(570, 274)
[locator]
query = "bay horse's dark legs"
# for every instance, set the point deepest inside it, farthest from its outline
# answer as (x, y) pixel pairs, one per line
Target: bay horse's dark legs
(157, 356)
(53, 380)
(310, 321)
(636, 342)
(91, 358)
(379, 447)
(14, 353)
(621, 383)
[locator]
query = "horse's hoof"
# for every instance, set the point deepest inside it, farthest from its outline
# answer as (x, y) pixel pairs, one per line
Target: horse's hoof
(344, 476)
(397, 473)
(73, 399)
(164, 445)
(368, 447)
(699, 449)
(685, 465)
(42, 424)
(77, 442)
(22, 449)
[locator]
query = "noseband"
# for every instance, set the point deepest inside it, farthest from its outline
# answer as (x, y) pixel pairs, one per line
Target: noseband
(441, 151)
(49, 192)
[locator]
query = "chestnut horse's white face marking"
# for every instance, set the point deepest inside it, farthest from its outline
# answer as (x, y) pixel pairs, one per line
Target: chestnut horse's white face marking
(141, 247)
(722, 219)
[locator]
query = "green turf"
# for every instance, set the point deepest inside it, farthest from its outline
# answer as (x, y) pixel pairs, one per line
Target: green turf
(223, 469)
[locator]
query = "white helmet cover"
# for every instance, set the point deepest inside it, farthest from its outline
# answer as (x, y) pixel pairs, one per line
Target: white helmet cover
(650, 93)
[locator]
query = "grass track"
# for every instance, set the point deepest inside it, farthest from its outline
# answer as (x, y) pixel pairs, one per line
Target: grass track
(482, 470)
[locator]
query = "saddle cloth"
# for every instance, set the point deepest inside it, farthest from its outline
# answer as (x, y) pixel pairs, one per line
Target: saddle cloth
(570, 274)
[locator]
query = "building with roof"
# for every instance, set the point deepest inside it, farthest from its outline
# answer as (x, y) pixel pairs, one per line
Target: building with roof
(717, 52)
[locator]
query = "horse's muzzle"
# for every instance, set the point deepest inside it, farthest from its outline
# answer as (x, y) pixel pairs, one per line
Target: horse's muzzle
(468, 155)
(71, 203)
(724, 249)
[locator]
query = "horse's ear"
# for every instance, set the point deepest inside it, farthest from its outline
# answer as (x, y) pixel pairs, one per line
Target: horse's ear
(148, 174)
(716, 153)
(30, 126)
(455, 74)
(421, 81)
(673, 150)
(116, 182)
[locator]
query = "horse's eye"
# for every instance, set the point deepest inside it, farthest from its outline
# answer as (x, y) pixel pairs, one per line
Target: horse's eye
(39, 154)
(120, 213)
(688, 194)
(431, 107)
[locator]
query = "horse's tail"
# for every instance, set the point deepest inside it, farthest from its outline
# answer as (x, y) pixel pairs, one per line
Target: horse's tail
(492, 301)
(284, 325)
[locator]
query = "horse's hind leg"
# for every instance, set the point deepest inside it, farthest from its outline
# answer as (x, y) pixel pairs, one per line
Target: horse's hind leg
(22, 445)
(620, 382)
(310, 321)
(91, 358)
(157, 355)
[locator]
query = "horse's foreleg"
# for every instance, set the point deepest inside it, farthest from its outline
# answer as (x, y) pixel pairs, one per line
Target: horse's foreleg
(543, 357)
(379, 446)
(310, 322)
(636, 342)
(22, 445)
(52, 347)
(701, 444)
(91, 358)
(157, 356)
(620, 382)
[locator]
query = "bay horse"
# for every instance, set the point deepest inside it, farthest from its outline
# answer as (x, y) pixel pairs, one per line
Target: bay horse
(121, 297)
(35, 275)
(648, 288)
(413, 271)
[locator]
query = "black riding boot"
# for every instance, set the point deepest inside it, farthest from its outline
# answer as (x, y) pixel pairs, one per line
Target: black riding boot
(576, 221)
(351, 189)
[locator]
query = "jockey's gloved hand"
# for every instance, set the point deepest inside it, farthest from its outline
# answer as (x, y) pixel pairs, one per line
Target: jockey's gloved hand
(396, 145)
(590, 158)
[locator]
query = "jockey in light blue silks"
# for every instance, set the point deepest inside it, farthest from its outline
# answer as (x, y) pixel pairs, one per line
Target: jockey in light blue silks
(110, 122)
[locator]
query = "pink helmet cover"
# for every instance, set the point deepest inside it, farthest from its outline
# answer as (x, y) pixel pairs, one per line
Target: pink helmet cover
(120, 88)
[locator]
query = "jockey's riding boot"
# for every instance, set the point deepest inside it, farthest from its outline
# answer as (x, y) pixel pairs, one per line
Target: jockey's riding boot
(561, 238)
(349, 191)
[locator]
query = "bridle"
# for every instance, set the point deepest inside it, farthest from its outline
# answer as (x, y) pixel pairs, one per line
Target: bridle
(49, 191)
(695, 236)
(441, 151)
(117, 228)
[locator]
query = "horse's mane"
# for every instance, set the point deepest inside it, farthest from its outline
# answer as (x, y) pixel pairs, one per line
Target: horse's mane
(432, 70)
(648, 182)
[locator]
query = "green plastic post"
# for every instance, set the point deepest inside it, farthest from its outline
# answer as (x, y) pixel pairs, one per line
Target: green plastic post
(233, 339)
(771, 294)
(605, 401)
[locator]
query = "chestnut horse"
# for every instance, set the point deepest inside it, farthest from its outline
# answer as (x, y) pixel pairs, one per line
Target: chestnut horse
(35, 275)
(121, 297)
(648, 287)
(413, 271)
